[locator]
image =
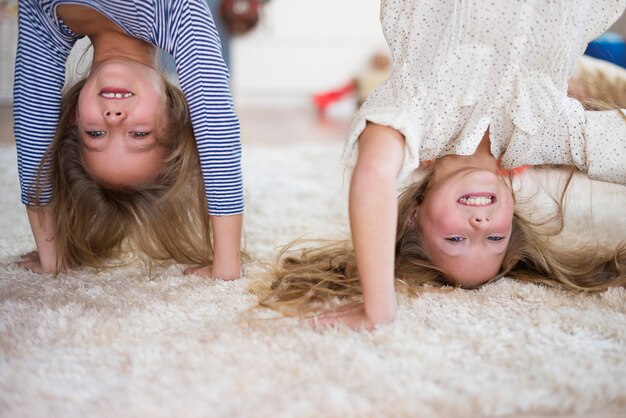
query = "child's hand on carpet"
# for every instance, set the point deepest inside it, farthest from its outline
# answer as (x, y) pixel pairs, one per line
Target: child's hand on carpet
(226, 263)
(207, 271)
(31, 262)
(351, 314)
(44, 259)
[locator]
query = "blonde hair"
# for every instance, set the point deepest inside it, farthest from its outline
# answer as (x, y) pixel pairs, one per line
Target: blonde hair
(315, 276)
(598, 84)
(167, 219)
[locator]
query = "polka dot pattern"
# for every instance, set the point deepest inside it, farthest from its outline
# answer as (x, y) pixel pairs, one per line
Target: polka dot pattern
(461, 67)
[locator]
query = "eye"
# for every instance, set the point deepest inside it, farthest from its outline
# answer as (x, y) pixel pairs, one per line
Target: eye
(455, 239)
(494, 238)
(136, 134)
(96, 134)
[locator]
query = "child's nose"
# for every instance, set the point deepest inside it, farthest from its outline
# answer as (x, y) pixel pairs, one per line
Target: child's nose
(114, 116)
(479, 221)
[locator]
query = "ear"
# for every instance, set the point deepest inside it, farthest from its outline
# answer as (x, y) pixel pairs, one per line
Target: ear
(413, 216)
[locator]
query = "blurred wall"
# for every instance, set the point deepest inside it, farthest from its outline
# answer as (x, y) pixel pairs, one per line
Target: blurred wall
(620, 25)
(299, 48)
(8, 45)
(302, 47)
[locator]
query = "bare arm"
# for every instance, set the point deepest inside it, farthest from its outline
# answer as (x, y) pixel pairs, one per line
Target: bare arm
(227, 246)
(373, 219)
(227, 249)
(42, 224)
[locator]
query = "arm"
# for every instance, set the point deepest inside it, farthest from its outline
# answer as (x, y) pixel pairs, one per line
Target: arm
(39, 78)
(605, 146)
(226, 249)
(204, 79)
(42, 224)
(227, 246)
(600, 149)
(373, 219)
(592, 141)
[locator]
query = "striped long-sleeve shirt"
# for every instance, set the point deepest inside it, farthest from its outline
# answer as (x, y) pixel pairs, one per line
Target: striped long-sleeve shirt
(183, 28)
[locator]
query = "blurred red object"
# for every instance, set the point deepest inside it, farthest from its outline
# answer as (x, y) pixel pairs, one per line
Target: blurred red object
(327, 98)
(240, 16)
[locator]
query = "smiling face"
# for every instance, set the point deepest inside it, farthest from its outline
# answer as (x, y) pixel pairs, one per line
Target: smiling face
(120, 109)
(466, 222)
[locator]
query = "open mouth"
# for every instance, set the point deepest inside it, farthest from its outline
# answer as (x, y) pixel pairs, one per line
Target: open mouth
(115, 93)
(477, 199)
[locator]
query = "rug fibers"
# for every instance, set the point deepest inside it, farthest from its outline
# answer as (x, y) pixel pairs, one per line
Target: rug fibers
(121, 344)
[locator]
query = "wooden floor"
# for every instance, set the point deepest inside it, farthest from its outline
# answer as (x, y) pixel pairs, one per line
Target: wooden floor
(272, 126)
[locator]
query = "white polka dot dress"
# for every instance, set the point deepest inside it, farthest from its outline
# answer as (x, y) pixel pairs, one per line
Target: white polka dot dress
(461, 67)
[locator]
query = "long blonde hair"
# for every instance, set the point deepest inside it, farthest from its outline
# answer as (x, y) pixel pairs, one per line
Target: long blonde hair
(598, 84)
(167, 219)
(306, 277)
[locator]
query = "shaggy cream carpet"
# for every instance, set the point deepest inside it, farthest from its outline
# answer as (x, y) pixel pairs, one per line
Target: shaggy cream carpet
(117, 344)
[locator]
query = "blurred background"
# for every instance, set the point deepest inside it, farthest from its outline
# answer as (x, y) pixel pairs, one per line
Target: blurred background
(303, 64)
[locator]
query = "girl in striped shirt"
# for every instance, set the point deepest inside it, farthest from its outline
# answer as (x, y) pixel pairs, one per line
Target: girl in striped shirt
(124, 157)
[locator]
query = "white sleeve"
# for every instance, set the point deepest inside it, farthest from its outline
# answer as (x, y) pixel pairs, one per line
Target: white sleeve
(604, 151)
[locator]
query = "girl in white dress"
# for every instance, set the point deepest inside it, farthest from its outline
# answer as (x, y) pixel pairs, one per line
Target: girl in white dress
(477, 87)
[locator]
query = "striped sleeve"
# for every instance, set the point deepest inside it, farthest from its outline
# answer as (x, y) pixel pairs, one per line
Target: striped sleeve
(39, 77)
(195, 45)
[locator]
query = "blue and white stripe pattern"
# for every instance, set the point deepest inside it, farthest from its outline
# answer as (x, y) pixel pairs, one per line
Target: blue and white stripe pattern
(185, 29)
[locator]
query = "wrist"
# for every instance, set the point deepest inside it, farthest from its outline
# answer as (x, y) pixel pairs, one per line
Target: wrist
(226, 270)
(42, 226)
(380, 315)
(48, 265)
(227, 247)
